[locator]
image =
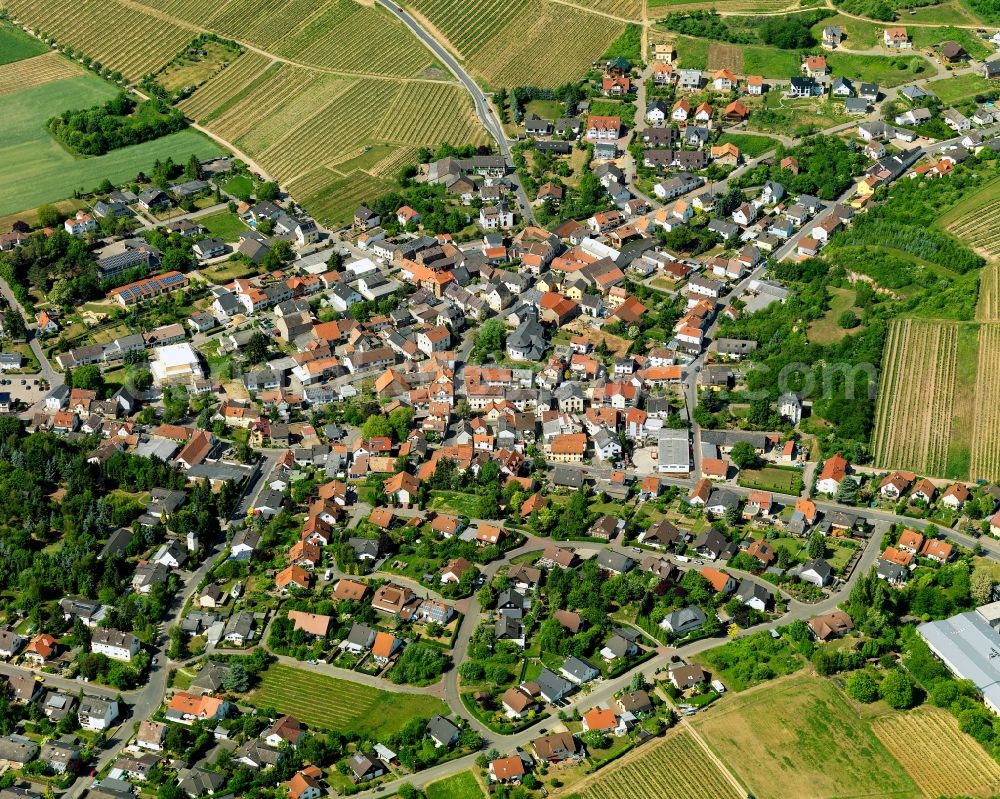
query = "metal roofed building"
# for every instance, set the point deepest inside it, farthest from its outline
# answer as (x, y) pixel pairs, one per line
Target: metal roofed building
(969, 645)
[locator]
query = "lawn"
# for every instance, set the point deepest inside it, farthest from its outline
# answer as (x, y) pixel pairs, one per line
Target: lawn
(455, 502)
(751, 146)
(34, 169)
(227, 226)
(240, 186)
(886, 71)
(228, 270)
(691, 53)
(800, 738)
(963, 87)
(825, 330)
(546, 109)
(858, 35)
(323, 701)
(771, 62)
(16, 45)
(773, 478)
(459, 786)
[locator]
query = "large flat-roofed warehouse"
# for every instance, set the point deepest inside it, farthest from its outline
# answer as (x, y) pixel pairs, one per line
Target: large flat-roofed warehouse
(969, 645)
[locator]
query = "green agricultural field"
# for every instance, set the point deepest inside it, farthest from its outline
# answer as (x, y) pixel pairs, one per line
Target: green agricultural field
(16, 45)
(332, 704)
(34, 169)
(751, 146)
(460, 786)
(799, 738)
(227, 226)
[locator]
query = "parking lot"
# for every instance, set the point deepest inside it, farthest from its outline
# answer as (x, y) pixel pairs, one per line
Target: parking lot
(26, 389)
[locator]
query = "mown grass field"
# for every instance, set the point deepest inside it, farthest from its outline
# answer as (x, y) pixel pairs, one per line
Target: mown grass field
(35, 170)
(332, 704)
(938, 756)
(459, 786)
(16, 45)
(675, 767)
(798, 738)
(751, 146)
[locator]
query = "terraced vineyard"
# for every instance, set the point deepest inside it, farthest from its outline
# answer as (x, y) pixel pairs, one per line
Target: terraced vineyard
(985, 463)
(938, 756)
(96, 28)
(676, 767)
(913, 422)
(35, 71)
(514, 42)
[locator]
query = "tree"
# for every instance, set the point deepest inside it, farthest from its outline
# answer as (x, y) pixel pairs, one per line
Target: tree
(48, 216)
(238, 680)
(817, 546)
(489, 339)
(897, 690)
(595, 739)
(743, 455)
(861, 685)
(268, 191)
(88, 377)
(848, 319)
(981, 586)
(377, 426)
(256, 348)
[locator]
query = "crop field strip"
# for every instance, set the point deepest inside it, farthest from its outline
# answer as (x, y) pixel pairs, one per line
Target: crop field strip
(725, 56)
(978, 226)
(985, 463)
(95, 27)
(626, 9)
(225, 85)
(334, 35)
(988, 306)
(676, 767)
(514, 38)
(938, 756)
(914, 416)
(35, 71)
